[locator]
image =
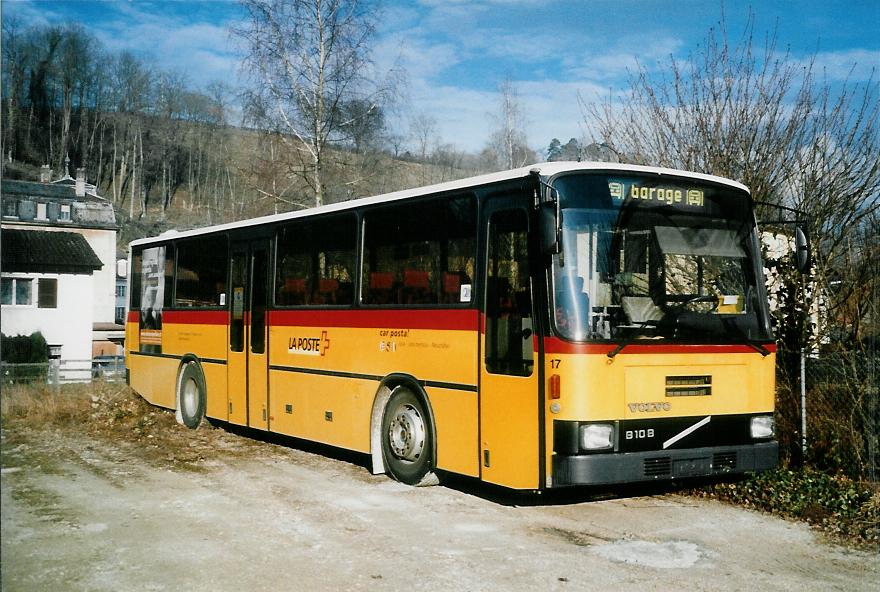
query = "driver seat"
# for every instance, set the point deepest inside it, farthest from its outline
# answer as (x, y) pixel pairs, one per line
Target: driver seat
(641, 309)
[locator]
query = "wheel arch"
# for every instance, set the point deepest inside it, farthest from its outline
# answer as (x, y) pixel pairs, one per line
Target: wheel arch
(380, 401)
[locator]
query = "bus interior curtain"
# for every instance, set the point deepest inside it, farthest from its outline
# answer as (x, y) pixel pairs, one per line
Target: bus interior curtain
(703, 242)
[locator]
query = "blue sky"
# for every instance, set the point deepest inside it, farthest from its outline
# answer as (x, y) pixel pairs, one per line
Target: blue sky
(456, 52)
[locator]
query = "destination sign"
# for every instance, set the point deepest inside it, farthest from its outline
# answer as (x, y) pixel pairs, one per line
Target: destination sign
(671, 195)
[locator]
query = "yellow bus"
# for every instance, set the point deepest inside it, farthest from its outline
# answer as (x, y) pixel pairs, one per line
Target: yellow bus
(549, 326)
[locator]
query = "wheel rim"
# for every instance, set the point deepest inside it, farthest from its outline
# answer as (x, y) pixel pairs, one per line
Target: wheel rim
(406, 433)
(190, 397)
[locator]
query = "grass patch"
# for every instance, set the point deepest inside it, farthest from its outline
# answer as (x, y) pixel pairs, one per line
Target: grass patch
(40, 405)
(847, 510)
(113, 413)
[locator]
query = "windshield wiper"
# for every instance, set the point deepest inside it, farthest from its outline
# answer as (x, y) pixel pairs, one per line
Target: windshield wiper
(619, 348)
(753, 344)
(757, 346)
(624, 342)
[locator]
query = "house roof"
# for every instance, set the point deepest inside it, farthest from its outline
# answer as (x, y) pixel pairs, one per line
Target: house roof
(31, 189)
(89, 210)
(43, 251)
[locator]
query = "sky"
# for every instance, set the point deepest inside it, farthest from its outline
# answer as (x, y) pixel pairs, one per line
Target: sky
(456, 53)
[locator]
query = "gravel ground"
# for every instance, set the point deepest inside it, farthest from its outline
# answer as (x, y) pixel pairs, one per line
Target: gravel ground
(149, 505)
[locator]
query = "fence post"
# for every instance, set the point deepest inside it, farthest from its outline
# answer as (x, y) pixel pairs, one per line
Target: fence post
(55, 374)
(803, 404)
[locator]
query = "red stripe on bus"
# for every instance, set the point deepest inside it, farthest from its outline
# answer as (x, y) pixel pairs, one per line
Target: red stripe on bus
(196, 317)
(134, 316)
(553, 345)
(459, 320)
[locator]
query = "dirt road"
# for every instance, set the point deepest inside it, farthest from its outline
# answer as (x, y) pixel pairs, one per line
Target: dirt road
(82, 513)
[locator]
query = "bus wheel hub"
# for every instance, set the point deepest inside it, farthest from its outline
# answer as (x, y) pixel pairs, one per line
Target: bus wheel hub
(406, 433)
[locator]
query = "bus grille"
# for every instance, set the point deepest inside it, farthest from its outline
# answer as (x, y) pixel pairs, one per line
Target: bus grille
(658, 467)
(724, 461)
(688, 386)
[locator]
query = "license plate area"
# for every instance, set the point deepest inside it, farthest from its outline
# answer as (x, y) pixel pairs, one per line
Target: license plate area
(692, 467)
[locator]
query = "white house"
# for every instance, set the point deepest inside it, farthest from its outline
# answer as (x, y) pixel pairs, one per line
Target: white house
(47, 286)
(58, 265)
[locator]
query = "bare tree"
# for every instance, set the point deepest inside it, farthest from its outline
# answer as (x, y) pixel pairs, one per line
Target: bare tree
(14, 51)
(772, 122)
(423, 130)
(508, 144)
(306, 61)
(741, 111)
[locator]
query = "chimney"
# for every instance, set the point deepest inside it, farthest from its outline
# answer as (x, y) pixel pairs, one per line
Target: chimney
(45, 174)
(80, 182)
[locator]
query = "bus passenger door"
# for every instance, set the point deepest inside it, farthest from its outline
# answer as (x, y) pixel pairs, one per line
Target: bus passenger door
(247, 366)
(509, 404)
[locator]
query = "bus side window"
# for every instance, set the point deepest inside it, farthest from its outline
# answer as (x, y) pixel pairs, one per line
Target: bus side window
(316, 262)
(509, 348)
(237, 280)
(420, 254)
(201, 271)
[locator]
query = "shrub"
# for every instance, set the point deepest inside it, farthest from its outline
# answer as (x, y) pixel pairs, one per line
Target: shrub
(836, 504)
(24, 349)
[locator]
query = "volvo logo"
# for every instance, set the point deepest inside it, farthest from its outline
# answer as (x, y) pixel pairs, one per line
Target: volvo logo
(649, 407)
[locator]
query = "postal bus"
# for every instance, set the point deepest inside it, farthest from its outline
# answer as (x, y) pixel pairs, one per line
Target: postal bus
(559, 325)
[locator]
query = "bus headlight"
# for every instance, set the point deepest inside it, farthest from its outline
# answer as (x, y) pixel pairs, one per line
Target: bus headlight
(762, 427)
(597, 436)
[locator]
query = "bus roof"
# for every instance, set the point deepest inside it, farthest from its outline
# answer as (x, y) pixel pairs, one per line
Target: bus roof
(545, 169)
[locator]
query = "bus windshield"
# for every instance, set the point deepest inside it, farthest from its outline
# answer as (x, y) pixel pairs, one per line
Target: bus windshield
(657, 258)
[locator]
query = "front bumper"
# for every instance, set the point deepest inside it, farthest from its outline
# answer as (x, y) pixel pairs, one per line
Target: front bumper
(658, 465)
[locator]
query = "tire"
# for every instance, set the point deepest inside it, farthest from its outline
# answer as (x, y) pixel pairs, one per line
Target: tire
(191, 395)
(407, 440)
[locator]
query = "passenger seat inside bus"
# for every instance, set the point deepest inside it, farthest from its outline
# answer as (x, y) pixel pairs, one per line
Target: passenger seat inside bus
(416, 288)
(294, 291)
(380, 287)
(451, 287)
(327, 291)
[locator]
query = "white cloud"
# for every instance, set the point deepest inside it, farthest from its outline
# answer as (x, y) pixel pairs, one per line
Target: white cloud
(855, 65)
(29, 14)
(461, 114)
(200, 50)
(626, 56)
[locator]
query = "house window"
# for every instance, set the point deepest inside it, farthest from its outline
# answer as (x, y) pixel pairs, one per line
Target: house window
(64, 214)
(47, 293)
(120, 290)
(120, 315)
(10, 208)
(17, 291)
(41, 212)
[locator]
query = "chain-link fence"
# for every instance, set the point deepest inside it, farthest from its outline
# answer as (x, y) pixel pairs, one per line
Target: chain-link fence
(833, 422)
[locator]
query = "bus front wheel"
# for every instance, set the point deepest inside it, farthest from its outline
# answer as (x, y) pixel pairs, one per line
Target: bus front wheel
(191, 396)
(407, 441)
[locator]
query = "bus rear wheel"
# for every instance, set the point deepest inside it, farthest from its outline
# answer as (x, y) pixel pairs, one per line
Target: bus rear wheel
(407, 441)
(191, 395)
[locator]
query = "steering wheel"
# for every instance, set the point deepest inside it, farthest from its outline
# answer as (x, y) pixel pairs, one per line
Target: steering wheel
(704, 298)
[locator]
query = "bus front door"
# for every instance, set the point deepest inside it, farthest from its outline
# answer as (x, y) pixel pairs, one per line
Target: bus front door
(248, 360)
(509, 401)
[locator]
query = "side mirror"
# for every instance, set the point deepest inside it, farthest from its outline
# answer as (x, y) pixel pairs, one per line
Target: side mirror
(801, 250)
(549, 229)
